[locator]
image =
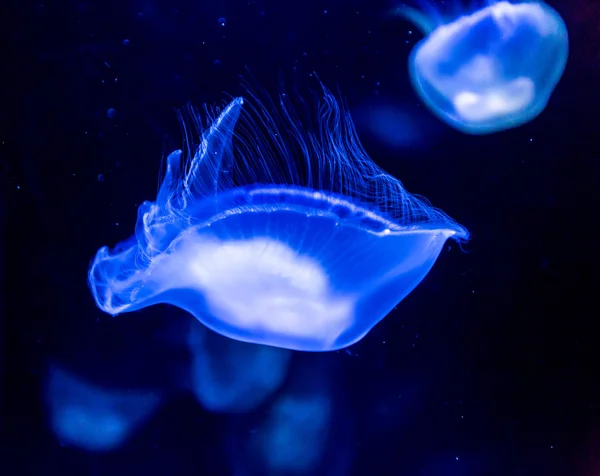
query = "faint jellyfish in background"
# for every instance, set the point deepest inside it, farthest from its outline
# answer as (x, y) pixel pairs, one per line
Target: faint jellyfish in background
(277, 229)
(489, 70)
(96, 419)
(306, 430)
(292, 438)
(397, 125)
(233, 376)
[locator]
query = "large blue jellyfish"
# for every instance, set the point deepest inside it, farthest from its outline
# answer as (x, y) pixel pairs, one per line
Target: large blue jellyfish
(277, 229)
(490, 70)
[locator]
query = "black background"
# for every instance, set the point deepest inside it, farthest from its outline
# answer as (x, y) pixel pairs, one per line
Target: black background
(495, 353)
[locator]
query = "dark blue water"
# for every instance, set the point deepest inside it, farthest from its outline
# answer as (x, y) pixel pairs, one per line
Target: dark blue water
(490, 367)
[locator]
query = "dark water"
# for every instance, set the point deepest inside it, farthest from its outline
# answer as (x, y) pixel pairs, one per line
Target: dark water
(490, 367)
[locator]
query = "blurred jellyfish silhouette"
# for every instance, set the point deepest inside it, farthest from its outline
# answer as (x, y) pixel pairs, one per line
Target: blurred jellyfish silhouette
(277, 229)
(232, 376)
(489, 70)
(93, 418)
(306, 429)
(396, 125)
(292, 438)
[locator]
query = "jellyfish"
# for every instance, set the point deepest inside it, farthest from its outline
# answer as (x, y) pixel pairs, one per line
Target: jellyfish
(230, 376)
(90, 417)
(300, 430)
(275, 228)
(490, 70)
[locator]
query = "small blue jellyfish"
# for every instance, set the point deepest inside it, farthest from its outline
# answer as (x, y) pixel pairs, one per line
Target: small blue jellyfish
(277, 229)
(93, 418)
(490, 70)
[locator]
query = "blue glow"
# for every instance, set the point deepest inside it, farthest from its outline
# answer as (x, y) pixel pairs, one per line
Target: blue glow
(490, 70)
(293, 437)
(397, 126)
(303, 430)
(277, 230)
(232, 376)
(92, 418)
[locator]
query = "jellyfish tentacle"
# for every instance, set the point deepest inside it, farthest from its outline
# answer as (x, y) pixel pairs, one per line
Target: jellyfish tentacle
(491, 69)
(170, 182)
(421, 20)
(214, 156)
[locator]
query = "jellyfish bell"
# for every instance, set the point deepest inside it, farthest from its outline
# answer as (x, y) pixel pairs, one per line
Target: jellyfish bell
(277, 229)
(489, 70)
